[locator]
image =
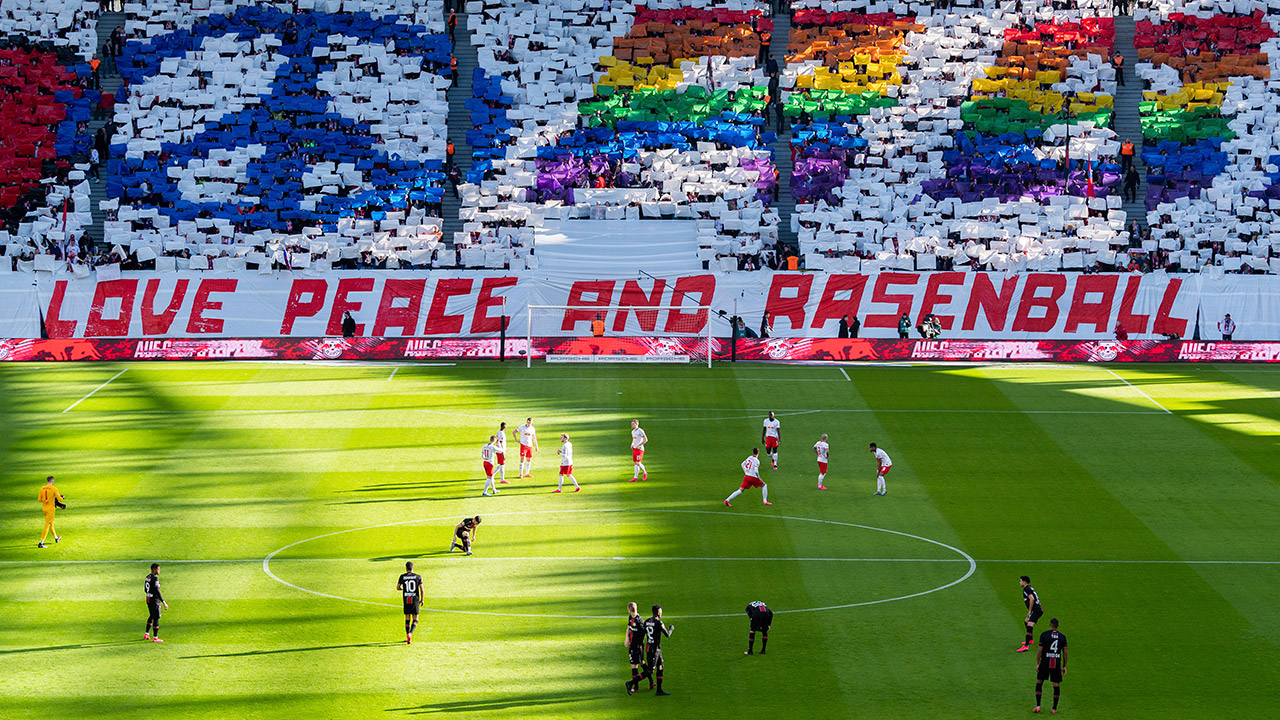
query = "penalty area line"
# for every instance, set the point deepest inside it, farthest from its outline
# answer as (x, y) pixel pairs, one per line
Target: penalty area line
(1138, 390)
(91, 393)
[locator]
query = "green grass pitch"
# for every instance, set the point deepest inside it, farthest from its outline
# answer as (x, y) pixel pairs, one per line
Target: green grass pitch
(1142, 501)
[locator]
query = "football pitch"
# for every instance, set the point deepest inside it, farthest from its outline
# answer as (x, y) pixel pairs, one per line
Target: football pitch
(282, 501)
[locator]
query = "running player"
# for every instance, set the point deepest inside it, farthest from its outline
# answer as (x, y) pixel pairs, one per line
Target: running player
(635, 646)
(883, 463)
(654, 629)
(151, 588)
(464, 533)
(1051, 662)
(751, 478)
(638, 439)
(500, 448)
(770, 435)
(761, 618)
(50, 503)
(410, 586)
(822, 449)
(488, 454)
(527, 436)
(1031, 599)
(566, 464)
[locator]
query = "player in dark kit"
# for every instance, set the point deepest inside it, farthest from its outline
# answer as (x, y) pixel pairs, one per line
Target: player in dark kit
(410, 586)
(635, 646)
(761, 618)
(1051, 662)
(654, 629)
(464, 533)
(151, 587)
(1032, 600)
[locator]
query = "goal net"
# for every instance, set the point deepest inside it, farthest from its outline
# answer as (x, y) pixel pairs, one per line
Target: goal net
(620, 333)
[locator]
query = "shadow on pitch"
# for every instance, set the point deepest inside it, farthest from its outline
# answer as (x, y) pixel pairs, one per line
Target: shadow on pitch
(477, 706)
(438, 553)
(77, 646)
(255, 653)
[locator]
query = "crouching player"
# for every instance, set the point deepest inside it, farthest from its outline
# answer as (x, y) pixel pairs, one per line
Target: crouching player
(464, 533)
(761, 618)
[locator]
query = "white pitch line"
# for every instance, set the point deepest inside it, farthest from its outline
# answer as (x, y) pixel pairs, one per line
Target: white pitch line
(86, 397)
(239, 561)
(573, 412)
(846, 375)
(1138, 390)
(393, 373)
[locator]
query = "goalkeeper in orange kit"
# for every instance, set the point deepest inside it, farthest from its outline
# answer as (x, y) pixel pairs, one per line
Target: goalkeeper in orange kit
(51, 502)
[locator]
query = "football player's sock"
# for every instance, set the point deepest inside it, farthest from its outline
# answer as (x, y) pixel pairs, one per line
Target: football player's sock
(560, 485)
(155, 630)
(408, 625)
(880, 484)
(635, 677)
(575, 480)
(466, 546)
(764, 491)
(659, 679)
(820, 476)
(1039, 686)
(1056, 692)
(640, 467)
(735, 494)
(414, 626)
(764, 642)
(751, 641)
(1028, 640)
(502, 472)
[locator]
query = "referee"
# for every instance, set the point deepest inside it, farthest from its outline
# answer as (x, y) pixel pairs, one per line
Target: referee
(151, 586)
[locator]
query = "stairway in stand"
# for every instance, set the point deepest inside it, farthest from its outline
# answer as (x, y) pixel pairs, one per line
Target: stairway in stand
(786, 203)
(109, 80)
(459, 123)
(1126, 122)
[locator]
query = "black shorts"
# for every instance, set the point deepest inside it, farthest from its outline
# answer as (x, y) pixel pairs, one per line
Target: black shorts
(654, 660)
(153, 608)
(1052, 674)
(1036, 612)
(411, 608)
(761, 623)
(459, 533)
(636, 654)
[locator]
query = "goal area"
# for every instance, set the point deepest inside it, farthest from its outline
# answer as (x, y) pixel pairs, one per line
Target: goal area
(619, 333)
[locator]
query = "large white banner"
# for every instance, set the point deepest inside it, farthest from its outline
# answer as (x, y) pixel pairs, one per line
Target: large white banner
(1033, 306)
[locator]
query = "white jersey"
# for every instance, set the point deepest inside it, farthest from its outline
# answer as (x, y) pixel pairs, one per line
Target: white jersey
(637, 439)
(822, 449)
(771, 428)
(487, 452)
(500, 443)
(751, 467)
(527, 435)
(883, 458)
(566, 453)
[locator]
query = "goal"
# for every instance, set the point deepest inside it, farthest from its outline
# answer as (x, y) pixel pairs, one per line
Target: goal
(632, 334)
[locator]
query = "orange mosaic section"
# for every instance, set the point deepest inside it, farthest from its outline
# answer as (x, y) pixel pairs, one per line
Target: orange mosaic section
(1207, 66)
(850, 42)
(668, 42)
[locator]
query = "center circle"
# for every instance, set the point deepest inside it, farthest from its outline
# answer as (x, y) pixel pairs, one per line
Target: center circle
(962, 557)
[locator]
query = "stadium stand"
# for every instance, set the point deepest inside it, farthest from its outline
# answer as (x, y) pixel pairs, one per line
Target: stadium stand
(1209, 122)
(609, 112)
(46, 98)
(297, 135)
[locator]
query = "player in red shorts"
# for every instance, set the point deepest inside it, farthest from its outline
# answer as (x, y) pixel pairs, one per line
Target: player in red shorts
(566, 464)
(883, 464)
(500, 451)
(822, 449)
(488, 454)
(751, 478)
(770, 435)
(638, 439)
(528, 439)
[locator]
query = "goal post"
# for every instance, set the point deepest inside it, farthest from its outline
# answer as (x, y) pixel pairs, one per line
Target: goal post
(632, 334)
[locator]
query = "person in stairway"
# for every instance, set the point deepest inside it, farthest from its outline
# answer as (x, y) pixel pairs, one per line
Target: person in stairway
(1131, 180)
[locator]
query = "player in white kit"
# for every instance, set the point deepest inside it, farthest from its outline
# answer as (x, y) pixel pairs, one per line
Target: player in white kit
(566, 464)
(638, 439)
(500, 448)
(751, 478)
(488, 454)
(822, 449)
(883, 463)
(771, 435)
(527, 436)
